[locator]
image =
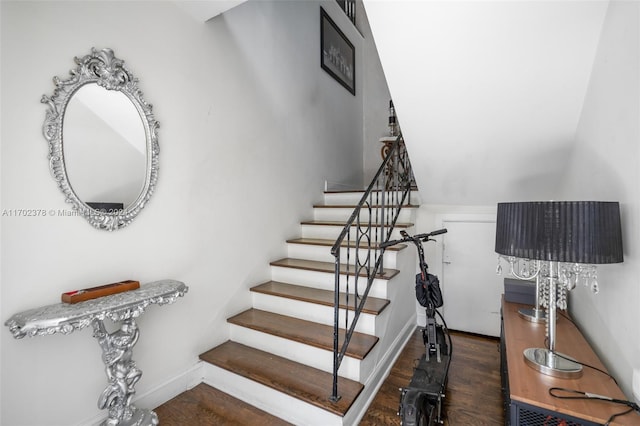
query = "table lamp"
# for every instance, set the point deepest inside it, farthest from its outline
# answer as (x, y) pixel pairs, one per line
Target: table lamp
(568, 238)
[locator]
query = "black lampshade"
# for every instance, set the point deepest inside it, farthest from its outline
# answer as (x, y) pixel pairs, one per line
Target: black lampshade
(562, 231)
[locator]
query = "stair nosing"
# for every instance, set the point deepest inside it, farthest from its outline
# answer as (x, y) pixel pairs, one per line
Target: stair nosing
(329, 267)
(360, 191)
(330, 243)
(262, 289)
(353, 206)
(342, 224)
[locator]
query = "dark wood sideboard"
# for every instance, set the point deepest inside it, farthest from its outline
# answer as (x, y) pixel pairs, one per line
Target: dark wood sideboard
(526, 391)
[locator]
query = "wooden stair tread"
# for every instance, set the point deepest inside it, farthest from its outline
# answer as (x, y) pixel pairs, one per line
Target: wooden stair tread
(204, 405)
(353, 206)
(297, 380)
(328, 267)
(372, 305)
(302, 331)
(330, 243)
(339, 223)
(358, 191)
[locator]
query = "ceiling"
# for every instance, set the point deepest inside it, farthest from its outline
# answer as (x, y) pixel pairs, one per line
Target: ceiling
(488, 93)
(203, 10)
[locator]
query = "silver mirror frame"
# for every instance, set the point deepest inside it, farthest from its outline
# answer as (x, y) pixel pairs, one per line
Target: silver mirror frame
(103, 68)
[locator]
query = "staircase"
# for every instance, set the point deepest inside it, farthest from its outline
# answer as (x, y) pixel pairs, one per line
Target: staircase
(279, 356)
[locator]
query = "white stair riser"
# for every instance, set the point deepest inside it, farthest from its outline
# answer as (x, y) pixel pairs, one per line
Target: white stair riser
(343, 214)
(267, 399)
(321, 314)
(296, 351)
(323, 254)
(325, 281)
(330, 232)
(353, 198)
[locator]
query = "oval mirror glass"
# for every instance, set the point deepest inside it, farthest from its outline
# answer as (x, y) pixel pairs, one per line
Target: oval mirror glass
(104, 147)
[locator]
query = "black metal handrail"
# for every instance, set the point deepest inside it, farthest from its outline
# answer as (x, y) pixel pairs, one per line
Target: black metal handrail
(370, 224)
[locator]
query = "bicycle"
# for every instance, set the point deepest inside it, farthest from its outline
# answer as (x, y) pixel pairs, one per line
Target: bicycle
(421, 401)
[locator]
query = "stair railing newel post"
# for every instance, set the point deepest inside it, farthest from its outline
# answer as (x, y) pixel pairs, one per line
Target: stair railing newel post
(387, 204)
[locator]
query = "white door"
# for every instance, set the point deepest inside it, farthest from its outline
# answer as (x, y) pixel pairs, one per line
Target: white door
(471, 289)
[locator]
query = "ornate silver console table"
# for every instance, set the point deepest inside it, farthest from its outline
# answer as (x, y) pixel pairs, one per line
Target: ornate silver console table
(117, 347)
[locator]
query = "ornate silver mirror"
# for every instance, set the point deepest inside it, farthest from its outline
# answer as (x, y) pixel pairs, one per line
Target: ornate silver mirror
(103, 143)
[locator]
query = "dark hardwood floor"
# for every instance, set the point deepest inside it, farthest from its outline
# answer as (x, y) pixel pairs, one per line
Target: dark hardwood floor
(473, 394)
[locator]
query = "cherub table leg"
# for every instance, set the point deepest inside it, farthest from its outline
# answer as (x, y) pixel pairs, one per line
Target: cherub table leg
(122, 374)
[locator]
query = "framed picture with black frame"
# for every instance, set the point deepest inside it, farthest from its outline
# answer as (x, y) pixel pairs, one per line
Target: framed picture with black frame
(337, 54)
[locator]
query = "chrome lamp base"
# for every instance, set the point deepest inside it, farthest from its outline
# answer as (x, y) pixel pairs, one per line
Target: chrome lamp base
(552, 363)
(533, 314)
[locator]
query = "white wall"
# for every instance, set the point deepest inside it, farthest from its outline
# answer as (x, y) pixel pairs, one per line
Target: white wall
(605, 163)
(251, 127)
(376, 103)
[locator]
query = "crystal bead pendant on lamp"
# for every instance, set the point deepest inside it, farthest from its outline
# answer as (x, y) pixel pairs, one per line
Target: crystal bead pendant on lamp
(570, 237)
